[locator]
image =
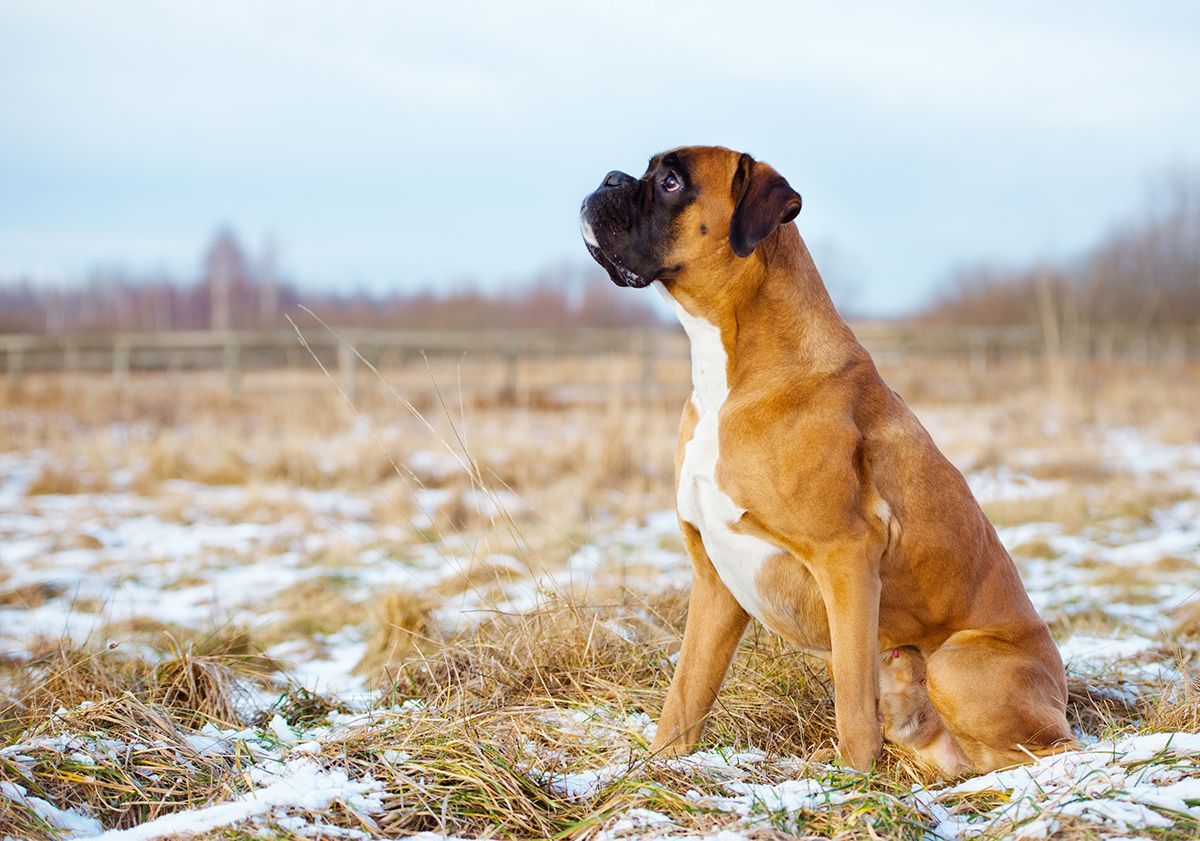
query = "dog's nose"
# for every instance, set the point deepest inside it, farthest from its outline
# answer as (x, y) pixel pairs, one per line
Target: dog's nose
(615, 179)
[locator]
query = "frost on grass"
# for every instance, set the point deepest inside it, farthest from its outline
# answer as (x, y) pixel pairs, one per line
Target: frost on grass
(281, 795)
(304, 654)
(1139, 782)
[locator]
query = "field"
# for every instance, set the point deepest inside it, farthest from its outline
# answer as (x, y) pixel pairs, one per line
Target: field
(281, 616)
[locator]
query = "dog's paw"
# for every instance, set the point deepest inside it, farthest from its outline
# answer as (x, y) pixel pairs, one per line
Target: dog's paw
(860, 754)
(671, 751)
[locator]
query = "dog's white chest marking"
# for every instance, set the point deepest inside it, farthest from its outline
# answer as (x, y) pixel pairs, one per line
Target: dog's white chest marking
(700, 500)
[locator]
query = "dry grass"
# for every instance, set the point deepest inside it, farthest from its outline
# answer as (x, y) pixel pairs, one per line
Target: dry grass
(310, 608)
(498, 717)
(29, 595)
(161, 772)
(110, 732)
(401, 630)
(510, 702)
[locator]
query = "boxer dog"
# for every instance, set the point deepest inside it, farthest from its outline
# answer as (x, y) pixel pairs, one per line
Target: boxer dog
(809, 495)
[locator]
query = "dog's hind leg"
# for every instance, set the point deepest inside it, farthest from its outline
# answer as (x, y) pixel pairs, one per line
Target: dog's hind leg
(1002, 695)
(909, 717)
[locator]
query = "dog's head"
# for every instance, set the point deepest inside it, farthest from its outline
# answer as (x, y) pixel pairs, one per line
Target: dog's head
(695, 207)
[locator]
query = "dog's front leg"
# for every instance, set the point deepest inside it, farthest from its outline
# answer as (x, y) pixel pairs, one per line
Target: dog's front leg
(715, 624)
(849, 584)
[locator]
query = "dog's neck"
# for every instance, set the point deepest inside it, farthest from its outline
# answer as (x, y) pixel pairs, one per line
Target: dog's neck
(774, 312)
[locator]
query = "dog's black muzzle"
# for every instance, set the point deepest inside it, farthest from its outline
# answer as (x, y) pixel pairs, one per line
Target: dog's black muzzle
(606, 220)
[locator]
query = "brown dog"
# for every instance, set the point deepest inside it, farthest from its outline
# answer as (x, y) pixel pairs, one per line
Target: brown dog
(809, 496)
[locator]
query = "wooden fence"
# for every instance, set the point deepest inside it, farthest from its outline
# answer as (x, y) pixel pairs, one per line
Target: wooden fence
(342, 351)
(234, 351)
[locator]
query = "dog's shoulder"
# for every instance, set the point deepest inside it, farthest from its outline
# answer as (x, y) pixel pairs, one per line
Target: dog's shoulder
(796, 457)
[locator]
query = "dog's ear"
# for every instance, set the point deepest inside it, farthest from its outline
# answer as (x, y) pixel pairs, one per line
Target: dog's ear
(763, 200)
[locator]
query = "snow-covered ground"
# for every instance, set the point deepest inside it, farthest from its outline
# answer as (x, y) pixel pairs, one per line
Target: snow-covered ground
(1115, 586)
(1124, 786)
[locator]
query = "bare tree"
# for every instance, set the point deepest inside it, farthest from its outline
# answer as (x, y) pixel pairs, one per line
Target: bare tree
(1143, 276)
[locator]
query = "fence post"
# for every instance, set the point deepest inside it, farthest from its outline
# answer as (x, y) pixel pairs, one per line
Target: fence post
(16, 362)
(70, 356)
(348, 372)
(509, 392)
(978, 355)
(233, 365)
(649, 355)
(121, 354)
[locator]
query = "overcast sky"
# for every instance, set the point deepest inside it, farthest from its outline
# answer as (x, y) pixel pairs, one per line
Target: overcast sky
(403, 144)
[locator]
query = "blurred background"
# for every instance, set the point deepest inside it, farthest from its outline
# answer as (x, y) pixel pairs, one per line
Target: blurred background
(402, 164)
(311, 400)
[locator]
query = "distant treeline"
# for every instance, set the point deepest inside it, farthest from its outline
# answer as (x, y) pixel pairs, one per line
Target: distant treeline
(1140, 278)
(232, 290)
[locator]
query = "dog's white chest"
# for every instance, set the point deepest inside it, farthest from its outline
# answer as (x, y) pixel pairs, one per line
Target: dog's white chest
(701, 502)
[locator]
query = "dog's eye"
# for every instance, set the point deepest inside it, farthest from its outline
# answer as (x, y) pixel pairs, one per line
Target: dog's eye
(671, 182)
